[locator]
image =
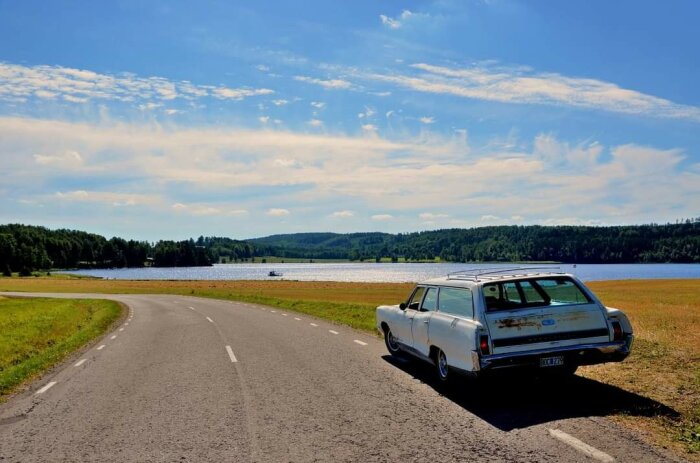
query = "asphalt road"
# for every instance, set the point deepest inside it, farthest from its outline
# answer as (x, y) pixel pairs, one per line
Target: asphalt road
(189, 379)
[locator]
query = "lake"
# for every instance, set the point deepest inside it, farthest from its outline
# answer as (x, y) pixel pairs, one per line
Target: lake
(372, 272)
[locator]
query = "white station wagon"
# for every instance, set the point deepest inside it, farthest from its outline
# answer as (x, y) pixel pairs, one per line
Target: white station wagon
(480, 320)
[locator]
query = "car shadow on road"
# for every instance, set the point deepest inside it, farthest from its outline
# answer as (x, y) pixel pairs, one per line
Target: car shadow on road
(511, 402)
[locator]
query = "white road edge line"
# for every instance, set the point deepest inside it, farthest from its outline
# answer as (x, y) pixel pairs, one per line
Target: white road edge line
(313, 324)
(581, 446)
(331, 331)
(121, 329)
(230, 354)
(80, 363)
(297, 319)
(101, 347)
(210, 320)
(114, 337)
(357, 341)
(46, 388)
(285, 315)
(191, 308)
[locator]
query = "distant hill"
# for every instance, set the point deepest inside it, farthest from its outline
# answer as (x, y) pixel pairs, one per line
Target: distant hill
(679, 242)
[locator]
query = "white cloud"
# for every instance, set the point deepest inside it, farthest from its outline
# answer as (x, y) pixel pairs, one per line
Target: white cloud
(427, 120)
(318, 104)
(207, 210)
(369, 127)
(280, 102)
(432, 216)
(620, 184)
(368, 112)
(264, 119)
(315, 123)
(382, 217)
(517, 86)
(395, 23)
(276, 212)
(171, 112)
(343, 214)
(239, 93)
(262, 68)
(329, 84)
(283, 162)
(67, 158)
(104, 197)
(80, 86)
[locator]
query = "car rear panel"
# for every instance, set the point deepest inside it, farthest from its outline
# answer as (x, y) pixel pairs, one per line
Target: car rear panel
(544, 327)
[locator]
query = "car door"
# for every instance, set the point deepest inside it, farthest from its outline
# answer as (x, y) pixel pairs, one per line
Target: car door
(404, 321)
(421, 321)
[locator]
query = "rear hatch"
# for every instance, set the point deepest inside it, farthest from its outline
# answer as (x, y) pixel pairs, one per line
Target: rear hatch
(539, 313)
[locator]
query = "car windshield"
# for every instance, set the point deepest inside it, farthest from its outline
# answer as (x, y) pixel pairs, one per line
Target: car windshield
(536, 292)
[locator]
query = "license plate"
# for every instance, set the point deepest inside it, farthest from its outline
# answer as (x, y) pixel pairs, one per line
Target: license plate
(557, 361)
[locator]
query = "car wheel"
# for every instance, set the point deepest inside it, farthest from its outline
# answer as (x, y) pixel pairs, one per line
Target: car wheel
(443, 370)
(392, 344)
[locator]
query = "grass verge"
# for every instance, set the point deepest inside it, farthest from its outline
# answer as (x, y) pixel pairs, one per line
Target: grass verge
(664, 365)
(36, 334)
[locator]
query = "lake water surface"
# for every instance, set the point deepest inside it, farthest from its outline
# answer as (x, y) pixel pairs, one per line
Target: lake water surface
(372, 272)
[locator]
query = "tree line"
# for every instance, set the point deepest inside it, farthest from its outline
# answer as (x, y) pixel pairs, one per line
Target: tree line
(25, 248)
(653, 243)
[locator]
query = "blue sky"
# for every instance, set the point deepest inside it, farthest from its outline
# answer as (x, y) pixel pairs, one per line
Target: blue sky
(174, 119)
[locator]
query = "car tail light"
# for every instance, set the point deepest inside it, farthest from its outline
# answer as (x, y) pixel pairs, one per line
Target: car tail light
(484, 344)
(617, 331)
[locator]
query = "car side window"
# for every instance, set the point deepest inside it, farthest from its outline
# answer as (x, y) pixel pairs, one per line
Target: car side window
(430, 301)
(416, 297)
(457, 301)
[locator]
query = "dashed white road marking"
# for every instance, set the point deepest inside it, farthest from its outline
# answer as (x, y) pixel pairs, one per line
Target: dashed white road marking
(210, 320)
(121, 329)
(581, 446)
(313, 324)
(230, 354)
(357, 341)
(46, 388)
(101, 347)
(331, 331)
(80, 363)
(285, 315)
(297, 319)
(191, 308)
(126, 324)
(273, 311)
(114, 337)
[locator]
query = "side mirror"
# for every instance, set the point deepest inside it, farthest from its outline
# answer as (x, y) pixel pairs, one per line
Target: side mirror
(402, 306)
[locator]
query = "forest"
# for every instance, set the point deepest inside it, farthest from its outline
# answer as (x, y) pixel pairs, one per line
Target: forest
(26, 248)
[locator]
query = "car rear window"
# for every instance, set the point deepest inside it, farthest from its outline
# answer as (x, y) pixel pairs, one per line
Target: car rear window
(456, 301)
(536, 292)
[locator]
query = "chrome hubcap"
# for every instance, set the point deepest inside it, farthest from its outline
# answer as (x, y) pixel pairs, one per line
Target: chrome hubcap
(393, 345)
(442, 364)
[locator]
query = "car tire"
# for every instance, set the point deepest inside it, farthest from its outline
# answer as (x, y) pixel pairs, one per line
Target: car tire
(391, 344)
(441, 367)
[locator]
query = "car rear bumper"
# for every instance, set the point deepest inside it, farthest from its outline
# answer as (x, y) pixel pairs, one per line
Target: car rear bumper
(581, 354)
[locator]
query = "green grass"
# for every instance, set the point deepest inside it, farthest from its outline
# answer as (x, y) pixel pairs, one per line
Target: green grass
(36, 334)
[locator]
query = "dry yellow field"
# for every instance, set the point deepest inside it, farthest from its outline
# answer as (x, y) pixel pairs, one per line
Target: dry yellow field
(663, 369)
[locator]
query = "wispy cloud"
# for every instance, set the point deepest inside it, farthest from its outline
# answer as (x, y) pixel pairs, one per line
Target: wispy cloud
(403, 180)
(204, 210)
(397, 22)
(277, 212)
(20, 83)
(329, 83)
(343, 214)
(518, 86)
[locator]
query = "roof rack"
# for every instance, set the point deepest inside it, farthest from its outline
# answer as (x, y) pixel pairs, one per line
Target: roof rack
(494, 272)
